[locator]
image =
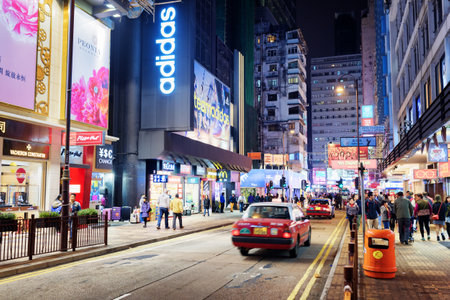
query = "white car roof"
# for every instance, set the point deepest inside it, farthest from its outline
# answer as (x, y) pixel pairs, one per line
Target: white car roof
(282, 204)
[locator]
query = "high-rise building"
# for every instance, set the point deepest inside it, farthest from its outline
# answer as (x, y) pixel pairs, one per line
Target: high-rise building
(280, 91)
(333, 113)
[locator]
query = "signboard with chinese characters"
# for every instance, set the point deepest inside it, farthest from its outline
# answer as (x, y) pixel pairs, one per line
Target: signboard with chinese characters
(425, 174)
(363, 142)
(168, 166)
(87, 138)
(367, 111)
(160, 178)
(29, 150)
(185, 169)
(211, 174)
(104, 157)
(336, 152)
(254, 155)
(444, 169)
(353, 164)
(378, 129)
(18, 38)
(275, 159)
(367, 122)
(200, 171)
(438, 153)
(193, 180)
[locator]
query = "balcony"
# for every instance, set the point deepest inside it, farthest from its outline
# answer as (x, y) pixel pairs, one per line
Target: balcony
(293, 41)
(293, 71)
(293, 56)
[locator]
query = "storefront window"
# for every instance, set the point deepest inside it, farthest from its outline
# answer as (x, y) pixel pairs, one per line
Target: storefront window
(100, 185)
(21, 183)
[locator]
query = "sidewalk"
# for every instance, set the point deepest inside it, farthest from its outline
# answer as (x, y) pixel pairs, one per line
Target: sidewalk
(422, 272)
(121, 236)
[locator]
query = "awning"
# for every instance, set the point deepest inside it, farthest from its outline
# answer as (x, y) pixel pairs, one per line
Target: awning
(171, 146)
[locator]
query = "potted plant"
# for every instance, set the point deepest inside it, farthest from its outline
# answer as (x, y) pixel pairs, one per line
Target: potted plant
(8, 222)
(88, 216)
(47, 219)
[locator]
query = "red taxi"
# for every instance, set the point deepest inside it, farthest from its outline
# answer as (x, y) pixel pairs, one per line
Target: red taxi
(269, 225)
(320, 208)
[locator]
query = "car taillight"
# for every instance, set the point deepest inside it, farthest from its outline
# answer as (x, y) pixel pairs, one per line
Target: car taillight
(287, 235)
(235, 232)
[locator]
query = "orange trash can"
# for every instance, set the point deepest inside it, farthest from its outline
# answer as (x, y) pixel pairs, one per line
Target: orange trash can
(379, 259)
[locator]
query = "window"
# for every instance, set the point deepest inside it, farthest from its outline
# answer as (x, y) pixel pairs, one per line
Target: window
(272, 97)
(271, 38)
(440, 75)
(425, 38)
(410, 115)
(273, 68)
(258, 83)
(427, 93)
(271, 112)
(259, 98)
(437, 14)
(291, 126)
(293, 65)
(293, 80)
(292, 50)
(258, 68)
(418, 107)
(273, 83)
(271, 52)
(294, 110)
(273, 127)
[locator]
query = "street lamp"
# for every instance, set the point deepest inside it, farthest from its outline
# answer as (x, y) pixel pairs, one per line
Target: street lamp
(360, 168)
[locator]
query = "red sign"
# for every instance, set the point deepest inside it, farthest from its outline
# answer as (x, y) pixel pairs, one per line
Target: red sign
(444, 169)
(425, 174)
(352, 164)
(336, 152)
(367, 122)
(87, 138)
(254, 155)
(21, 174)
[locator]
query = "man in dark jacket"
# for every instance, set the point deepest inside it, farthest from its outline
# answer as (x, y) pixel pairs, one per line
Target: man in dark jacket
(372, 211)
(257, 198)
(403, 211)
(206, 204)
(222, 202)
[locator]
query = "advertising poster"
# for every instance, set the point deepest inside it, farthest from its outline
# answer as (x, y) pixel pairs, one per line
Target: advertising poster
(90, 74)
(18, 36)
(211, 110)
(336, 152)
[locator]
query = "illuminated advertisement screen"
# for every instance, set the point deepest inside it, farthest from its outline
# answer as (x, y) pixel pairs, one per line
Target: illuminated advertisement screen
(319, 176)
(211, 110)
(18, 40)
(90, 74)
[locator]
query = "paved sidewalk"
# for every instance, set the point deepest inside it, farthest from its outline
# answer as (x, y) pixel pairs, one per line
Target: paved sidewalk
(423, 269)
(121, 236)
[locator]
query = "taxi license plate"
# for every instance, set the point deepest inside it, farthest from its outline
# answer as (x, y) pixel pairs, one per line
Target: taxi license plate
(260, 230)
(317, 208)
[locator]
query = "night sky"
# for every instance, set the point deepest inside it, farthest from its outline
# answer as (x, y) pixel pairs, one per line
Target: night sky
(316, 20)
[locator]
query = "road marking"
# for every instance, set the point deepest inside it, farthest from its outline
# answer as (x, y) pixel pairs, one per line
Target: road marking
(121, 297)
(313, 279)
(306, 275)
(103, 257)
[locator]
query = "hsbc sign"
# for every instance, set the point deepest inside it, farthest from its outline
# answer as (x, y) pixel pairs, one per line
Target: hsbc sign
(88, 138)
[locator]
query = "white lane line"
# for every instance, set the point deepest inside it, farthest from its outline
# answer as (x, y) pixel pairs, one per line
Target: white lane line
(121, 297)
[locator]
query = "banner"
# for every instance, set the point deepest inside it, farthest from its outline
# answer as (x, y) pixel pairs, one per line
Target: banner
(425, 174)
(438, 153)
(444, 169)
(336, 152)
(353, 164)
(90, 74)
(18, 36)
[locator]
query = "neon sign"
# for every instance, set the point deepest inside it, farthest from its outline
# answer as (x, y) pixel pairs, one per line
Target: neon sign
(166, 61)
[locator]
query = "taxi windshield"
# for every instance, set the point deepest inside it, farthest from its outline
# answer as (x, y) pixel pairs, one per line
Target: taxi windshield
(267, 212)
(319, 201)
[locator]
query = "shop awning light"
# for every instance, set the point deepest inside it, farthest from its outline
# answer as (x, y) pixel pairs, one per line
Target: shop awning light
(116, 15)
(109, 5)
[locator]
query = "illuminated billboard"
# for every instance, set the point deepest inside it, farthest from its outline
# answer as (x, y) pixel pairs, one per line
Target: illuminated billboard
(90, 74)
(319, 176)
(18, 36)
(336, 152)
(211, 110)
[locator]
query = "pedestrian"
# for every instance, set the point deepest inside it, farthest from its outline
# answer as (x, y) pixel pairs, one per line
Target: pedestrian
(141, 200)
(439, 216)
(392, 217)
(250, 199)
(427, 197)
(352, 210)
(241, 201)
(447, 216)
(75, 206)
(145, 211)
(57, 205)
(338, 200)
(372, 211)
(384, 209)
(222, 202)
(403, 211)
(359, 216)
(422, 211)
(163, 204)
(176, 206)
(206, 203)
(233, 202)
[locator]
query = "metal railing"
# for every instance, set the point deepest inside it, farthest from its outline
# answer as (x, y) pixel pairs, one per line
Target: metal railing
(28, 237)
(351, 269)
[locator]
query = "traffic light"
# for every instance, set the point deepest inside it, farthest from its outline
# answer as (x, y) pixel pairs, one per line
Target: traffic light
(340, 183)
(304, 184)
(283, 182)
(270, 184)
(357, 183)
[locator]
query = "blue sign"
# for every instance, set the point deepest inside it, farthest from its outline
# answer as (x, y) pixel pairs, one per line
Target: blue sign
(160, 178)
(378, 129)
(367, 111)
(363, 142)
(193, 180)
(438, 153)
(168, 166)
(166, 60)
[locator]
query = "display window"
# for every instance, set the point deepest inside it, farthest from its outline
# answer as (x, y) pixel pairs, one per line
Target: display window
(192, 197)
(21, 183)
(99, 188)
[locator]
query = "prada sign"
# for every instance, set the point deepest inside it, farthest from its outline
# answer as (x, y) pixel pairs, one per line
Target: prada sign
(29, 150)
(223, 175)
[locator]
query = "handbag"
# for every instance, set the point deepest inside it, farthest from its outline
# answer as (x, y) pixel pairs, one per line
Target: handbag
(436, 216)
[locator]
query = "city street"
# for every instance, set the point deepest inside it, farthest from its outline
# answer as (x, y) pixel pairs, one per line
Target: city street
(199, 266)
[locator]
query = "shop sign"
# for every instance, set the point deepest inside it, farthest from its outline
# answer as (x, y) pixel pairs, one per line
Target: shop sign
(393, 185)
(87, 138)
(104, 157)
(160, 178)
(223, 175)
(367, 122)
(185, 169)
(193, 180)
(363, 142)
(336, 152)
(275, 159)
(21, 149)
(75, 155)
(367, 111)
(438, 153)
(353, 164)
(168, 166)
(174, 179)
(200, 171)
(254, 155)
(211, 174)
(425, 174)
(444, 169)
(24, 131)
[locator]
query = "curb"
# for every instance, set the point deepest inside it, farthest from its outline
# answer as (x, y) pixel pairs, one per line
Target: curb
(77, 256)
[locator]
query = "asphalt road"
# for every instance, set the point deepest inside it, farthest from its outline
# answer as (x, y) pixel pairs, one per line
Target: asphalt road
(200, 266)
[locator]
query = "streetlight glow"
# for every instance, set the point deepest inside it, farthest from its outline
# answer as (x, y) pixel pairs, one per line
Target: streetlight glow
(339, 89)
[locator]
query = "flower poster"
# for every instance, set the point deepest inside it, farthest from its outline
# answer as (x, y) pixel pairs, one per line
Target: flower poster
(18, 42)
(90, 73)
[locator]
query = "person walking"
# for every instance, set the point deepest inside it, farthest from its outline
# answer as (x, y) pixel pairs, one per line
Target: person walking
(176, 206)
(372, 211)
(422, 212)
(163, 204)
(232, 201)
(439, 216)
(384, 209)
(359, 216)
(403, 210)
(250, 199)
(241, 201)
(352, 210)
(222, 202)
(145, 210)
(392, 217)
(206, 203)
(74, 208)
(141, 200)
(257, 198)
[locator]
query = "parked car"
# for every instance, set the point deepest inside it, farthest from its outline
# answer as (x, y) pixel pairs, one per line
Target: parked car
(267, 225)
(320, 207)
